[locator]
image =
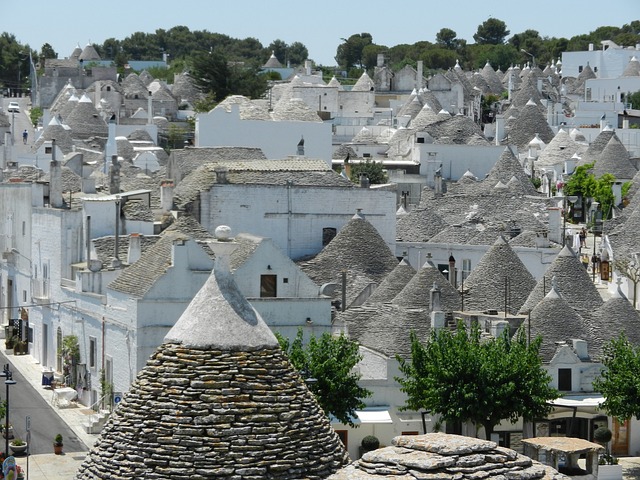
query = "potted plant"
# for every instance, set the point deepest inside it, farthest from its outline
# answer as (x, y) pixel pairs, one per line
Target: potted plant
(57, 444)
(368, 444)
(18, 446)
(608, 467)
(5, 433)
(9, 343)
(19, 472)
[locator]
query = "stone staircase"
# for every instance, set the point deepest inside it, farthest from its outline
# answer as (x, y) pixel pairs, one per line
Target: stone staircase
(96, 421)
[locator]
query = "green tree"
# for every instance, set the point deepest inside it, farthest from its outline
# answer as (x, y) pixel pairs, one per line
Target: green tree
(349, 53)
(619, 382)
(374, 171)
(492, 31)
(330, 361)
(297, 53)
(47, 51)
(446, 38)
(634, 100)
(462, 377)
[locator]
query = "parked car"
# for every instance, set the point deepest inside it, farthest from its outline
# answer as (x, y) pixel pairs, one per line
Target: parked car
(13, 107)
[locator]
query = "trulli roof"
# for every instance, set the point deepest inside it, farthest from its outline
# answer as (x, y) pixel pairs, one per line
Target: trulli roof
(555, 321)
(633, 68)
(614, 159)
(364, 84)
(499, 270)
(184, 89)
(146, 77)
(428, 98)
(58, 131)
(491, 77)
(572, 282)
(614, 317)
(529, 123)
(219, 338)
(85, 121)
(597, 146)
(561, 148)
(392, 284)
(416, 294)
(444, 456)
(273, 62)
(508, 167)
(89, 53)
(419, 225)
(134, 87)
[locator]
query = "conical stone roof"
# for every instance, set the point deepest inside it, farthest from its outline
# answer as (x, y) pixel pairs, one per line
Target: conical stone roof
(218, 399)
(614, 159)
(529, 123)
(59, 132)
(633, 68)
(357, 248)
(416, 294)
(555, 321)
(498, 269)
(561, 148)
(392, 283)
(597, 146)
(506, 168)
(364, 84)
(572, 282)
(85, 121)
(492, 79)
(614, 317)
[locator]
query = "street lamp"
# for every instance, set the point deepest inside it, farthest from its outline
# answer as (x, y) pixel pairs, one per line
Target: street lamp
(594, 261)
(533, 58)
(8, 375)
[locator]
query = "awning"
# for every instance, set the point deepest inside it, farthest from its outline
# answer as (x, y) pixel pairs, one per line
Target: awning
(580, 401)
(374, 415)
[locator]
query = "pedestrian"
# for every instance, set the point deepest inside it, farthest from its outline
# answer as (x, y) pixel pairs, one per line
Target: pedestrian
(583, 237)
(25, 135)
(585, 262)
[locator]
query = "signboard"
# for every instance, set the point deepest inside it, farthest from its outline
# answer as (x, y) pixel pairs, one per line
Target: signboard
(117, 397)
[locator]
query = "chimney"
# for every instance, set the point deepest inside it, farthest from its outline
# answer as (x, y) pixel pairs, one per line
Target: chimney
(97, 94)
(88, 241)
(307, 67)
(135, 248)
(380, 60)
(301, 147)
(111, 148)
(221, 174)
(437, 315)
(149, 109)
(166, 196)
(580, 347)
(452, 270)
(419, 75)
(364, 181)
(115, 263)
(55, 182)
(438, 181)
(114, 176)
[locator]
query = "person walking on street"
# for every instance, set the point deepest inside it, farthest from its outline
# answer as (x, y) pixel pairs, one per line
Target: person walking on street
(25, 135)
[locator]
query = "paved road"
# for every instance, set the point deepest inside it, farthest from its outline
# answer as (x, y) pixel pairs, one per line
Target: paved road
(21, 122)
(25, 401)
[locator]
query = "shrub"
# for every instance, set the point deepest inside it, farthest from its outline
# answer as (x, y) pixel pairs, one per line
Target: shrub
(370, 443)
(602, 435)
(57, 440)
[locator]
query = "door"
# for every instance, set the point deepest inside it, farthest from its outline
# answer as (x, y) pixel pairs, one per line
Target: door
(620, 440)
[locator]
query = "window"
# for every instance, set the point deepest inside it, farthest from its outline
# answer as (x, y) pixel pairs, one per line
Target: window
(412, 432)
(466, 267)
(328, 234)
(285, 280)
(564, 379)
(268, 286)
(93, 352)
(24, 228)
(420, 139)
(343, 435)
(108, 88)
(366, 155)
(580, 67)
(47, 150)
(24, 296)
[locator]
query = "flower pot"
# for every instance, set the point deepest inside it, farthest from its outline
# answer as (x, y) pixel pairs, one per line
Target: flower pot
(57, 449)
(18, 449)
(609, 472)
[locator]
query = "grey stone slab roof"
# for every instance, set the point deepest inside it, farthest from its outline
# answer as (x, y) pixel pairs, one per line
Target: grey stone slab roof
(188, 159)
(141, 135)
(560, 149)
(294, 109)
(632, 69)
(219, 383)
(428, 98)
(572, 282)
(493, 80)
(499, 270)
(506, 168)
(105, 247)
(419, 225)
(614, 317)
(417, 293)
(555, 321)
(185, 89)
(364, 84)
(392, 284)
(597, 146)
(269, 172)
(249, 110)
(55, 130)
(359, 249)
(624, 238)
(529, 123)
(527, 238)
(136, 210)
(134, 87)
(137, 279)
(528, 91)
(614, 159)
(425, 117)
(85, 121)
(479, 82)
(457, 129)
(146, 77)
(89, 53)
(412, 107)
(445, 457)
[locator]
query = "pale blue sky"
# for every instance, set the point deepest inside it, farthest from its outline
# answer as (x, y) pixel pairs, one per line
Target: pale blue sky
(318, 25)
